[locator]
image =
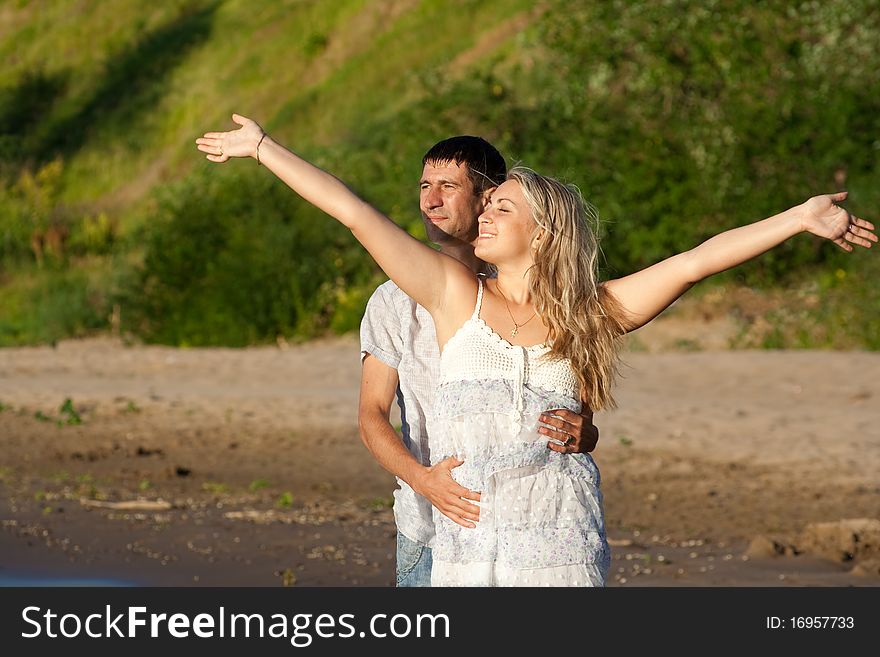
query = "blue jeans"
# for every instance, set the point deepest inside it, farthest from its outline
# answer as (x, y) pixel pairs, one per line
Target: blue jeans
(413, 563)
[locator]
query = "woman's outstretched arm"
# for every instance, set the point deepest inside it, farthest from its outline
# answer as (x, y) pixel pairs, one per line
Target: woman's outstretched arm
(646, 293)
(419, 270)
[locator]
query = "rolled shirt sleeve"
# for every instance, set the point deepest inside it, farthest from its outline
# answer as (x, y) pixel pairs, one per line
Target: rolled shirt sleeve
(381, 328)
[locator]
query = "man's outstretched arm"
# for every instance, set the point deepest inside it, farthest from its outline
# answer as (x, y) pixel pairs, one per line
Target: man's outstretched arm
(378, 388)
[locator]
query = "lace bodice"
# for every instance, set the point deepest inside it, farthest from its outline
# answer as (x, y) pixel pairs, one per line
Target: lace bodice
(476, 352)
(541, 519)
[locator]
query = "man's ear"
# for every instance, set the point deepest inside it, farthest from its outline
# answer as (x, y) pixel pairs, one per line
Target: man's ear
(486, 196)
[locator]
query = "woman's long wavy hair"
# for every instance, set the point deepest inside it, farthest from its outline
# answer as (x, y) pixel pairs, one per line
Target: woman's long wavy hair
(584, 318)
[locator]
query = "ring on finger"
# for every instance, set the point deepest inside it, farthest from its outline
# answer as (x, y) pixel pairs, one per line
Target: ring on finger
(568, 441)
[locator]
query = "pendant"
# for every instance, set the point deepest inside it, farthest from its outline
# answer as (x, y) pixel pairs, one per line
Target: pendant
(514, 331)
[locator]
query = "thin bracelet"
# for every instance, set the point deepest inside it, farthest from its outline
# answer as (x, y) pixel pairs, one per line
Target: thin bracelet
(258, 148)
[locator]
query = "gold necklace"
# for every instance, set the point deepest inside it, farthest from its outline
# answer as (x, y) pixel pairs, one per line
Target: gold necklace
(516, 326)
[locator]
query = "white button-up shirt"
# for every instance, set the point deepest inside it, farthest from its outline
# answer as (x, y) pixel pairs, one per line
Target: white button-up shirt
(400, 333)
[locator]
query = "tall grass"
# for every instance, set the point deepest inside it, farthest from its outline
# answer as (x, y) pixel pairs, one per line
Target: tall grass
(676, 119)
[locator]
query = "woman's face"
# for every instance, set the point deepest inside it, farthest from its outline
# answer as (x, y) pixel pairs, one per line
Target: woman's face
(506, 227)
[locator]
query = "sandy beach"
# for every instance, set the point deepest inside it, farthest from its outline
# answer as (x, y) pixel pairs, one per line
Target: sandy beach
(244, 467)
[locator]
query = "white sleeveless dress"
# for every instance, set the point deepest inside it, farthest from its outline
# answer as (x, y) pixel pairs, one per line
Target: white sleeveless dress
(541, 517)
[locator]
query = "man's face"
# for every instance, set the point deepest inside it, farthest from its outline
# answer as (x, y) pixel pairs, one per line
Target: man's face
(448, 203)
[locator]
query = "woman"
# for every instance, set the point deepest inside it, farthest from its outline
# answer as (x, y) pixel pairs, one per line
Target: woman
(542, 334)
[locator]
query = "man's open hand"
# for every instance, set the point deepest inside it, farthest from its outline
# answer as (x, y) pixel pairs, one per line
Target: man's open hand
(570, 432)
(451, 498)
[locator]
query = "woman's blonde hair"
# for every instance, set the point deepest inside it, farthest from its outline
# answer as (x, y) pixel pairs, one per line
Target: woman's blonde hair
(584, 318)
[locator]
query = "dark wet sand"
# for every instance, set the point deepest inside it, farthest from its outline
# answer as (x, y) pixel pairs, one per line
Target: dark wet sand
(257, 456)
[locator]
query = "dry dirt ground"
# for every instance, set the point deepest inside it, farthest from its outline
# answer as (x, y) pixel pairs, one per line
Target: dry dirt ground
(244, 467)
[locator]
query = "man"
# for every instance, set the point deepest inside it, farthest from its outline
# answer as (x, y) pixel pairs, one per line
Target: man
(401, 359)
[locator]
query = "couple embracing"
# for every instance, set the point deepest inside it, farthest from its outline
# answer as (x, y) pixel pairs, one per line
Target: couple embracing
(498, 348)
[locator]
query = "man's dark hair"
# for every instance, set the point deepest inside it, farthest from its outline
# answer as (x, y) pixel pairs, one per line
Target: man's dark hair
(486, 167)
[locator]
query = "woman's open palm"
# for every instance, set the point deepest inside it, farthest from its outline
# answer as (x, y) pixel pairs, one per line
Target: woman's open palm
(823, 217)
(220, 146)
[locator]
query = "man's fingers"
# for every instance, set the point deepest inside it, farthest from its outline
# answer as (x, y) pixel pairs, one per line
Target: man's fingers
(563, 414)
(451, 505)
(454, 501)
(463, 508)
(571, 426)
(461, 521)
(470, 516)
(465, 493)
(561, 436)
(451, 462)
(463, 505)
(454, 517)
(566, 433)
(460, 499)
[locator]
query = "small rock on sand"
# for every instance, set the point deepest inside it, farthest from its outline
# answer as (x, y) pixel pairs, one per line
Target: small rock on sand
(763, 547)
(854, 539)
(867, 568)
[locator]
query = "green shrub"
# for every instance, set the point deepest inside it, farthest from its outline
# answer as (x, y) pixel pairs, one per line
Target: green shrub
(233, 258)
(49, 305)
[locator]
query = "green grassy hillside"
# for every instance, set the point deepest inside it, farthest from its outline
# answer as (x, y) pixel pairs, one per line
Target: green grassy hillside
(676, 119)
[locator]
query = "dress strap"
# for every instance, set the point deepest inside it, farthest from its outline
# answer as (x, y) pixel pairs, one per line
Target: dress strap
(476, 314)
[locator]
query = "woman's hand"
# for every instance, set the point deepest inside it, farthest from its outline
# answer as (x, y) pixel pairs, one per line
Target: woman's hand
(432, 279)
(220, 146)
(824, 218)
